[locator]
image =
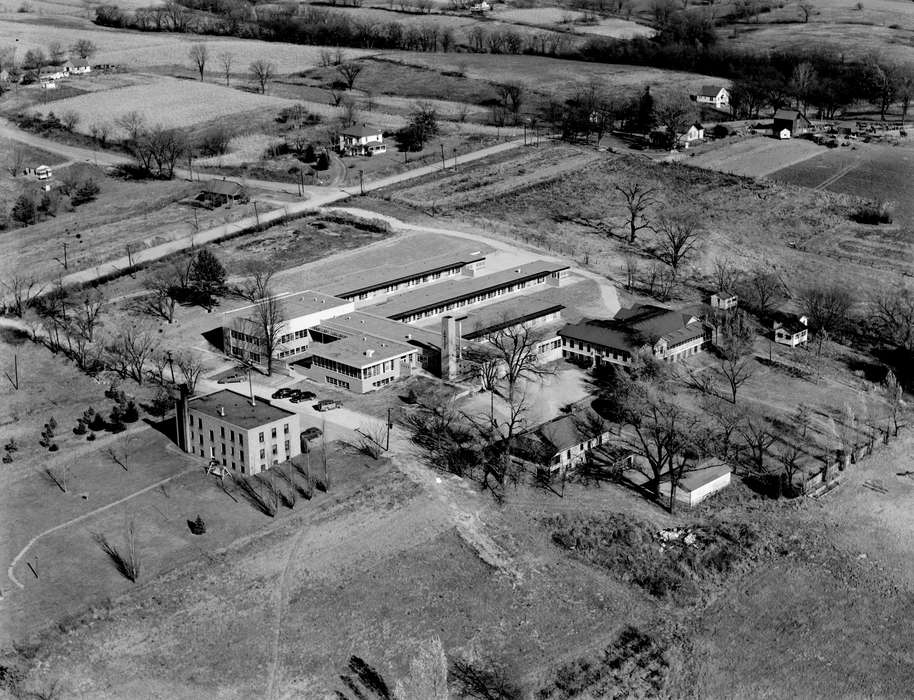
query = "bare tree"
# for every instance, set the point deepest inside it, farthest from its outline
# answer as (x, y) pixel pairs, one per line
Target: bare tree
(16, 162)
(349, 72)
(762, 291)
(725, 274)
(267, 320)
(512, 98)
(638, 199)
(84, 48)
(514, 349)
(428, 674)
(226, 60)
(789, 458)
(263, 72)
(21, 291)
(894, 316)
(679, 237)
(734, 347)
(757, 438)
(161, 300)
(199, 54)
(827, 306)
(372, 439)
(56, 52)
(129, 349)
(807, 9)
(191, 366)
(675, 114)
(894, 394)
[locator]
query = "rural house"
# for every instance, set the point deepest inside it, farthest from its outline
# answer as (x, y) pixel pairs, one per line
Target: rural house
(565, 442)
(77, 66)
(244, 434)
(660, 137)
(219, 192)
(791, 331)
(715, 95)
(667, 334)
(4, 76)
(724, 301)
(361, 141)
(791, 121)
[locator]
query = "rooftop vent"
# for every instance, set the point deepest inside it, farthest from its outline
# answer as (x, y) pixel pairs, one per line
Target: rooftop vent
(409, 336)
(222, 411)
(369, 353)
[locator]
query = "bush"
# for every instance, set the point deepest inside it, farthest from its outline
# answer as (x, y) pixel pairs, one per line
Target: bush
(197, 527)
(80, 428)
(90, 437)
(53, 447)
(215, 142)
(873, 212)
(23, 211)
(130, 413)
(97, 423)
(85, 193)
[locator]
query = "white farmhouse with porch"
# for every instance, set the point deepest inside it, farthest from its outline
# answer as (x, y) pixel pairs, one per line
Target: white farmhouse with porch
(361, 141)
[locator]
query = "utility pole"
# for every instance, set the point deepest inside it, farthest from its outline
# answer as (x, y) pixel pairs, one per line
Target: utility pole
(387, 446)
(301, 180)
(361, 181)
(14, 380)
(171, 365)
(256, 215)
(525, 133)
(455, 157)
(443, 164)
(65, 265)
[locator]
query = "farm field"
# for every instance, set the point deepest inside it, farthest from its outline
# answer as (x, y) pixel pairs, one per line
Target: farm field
(550, 75)
(758, 156)
(141, 50)
(569, 20)
(164, 101)
(753, 222)
(135, 215)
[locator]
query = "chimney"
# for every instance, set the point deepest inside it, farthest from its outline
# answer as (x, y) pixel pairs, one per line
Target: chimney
(222, 411)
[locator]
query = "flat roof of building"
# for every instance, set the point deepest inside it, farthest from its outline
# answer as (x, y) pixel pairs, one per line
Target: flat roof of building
(449, 265)
(361, 323)
(304, 303)
(503, 314)
(238, 409)
(453, 291)
(361, 350)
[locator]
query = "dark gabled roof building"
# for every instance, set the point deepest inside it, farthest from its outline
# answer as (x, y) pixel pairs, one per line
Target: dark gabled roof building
(665, 333)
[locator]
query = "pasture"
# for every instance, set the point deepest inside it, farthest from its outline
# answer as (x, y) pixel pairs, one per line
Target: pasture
(167, 102)
(138, 51)
(551, 75)
(756, 156)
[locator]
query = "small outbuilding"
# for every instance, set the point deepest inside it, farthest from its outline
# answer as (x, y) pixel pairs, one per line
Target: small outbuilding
(705, 479)
(724, 300)
(791, 331)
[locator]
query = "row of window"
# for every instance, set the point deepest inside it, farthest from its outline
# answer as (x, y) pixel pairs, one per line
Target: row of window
(482, 296)
(597, 349)
(288, 337)
(293, 351)
(336, 382)
(244, 337)
(415, 282)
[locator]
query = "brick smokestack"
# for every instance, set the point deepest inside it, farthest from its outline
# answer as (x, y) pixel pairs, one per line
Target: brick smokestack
(449, 343)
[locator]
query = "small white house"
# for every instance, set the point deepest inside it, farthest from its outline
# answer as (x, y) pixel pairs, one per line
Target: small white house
(784, 134)
(715, 95)
(43, 172)
(77, 66)
(361, 141)
(480, 7)
(724, 300)
(696, 132)
(791, 332)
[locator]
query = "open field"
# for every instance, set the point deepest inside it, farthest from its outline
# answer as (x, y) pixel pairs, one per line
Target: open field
(551, 75)
(796, 231)
(752, 157)
(164, 101)
(139, 50)
(125, 214)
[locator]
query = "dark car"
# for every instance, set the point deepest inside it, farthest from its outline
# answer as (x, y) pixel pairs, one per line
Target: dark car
(328, 405)
(283, 393)
(311, 433)
(303, 396)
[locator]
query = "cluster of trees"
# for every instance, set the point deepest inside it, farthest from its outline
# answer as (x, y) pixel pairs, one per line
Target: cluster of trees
(193, 279)
(323, 27)
(36, 58)
(422, 126)
(27, 210)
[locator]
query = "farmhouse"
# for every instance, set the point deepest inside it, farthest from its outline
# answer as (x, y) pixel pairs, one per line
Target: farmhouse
(219, 192)
(660, 137)
(715, 95)
(565, 442)
(667, 334)
(792, 121)
(361, 141)
(77, 66)
(447, 296)
(245, 434)
(791, 331)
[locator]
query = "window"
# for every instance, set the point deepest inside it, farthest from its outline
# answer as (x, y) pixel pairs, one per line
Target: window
(241, 455)
(232, 436)
(191, 421)
(222, 432)
(223, 450)
(201, 438)
(201, 451)
(275, 450)
(263, 453)
(285, 428)
(261, 437)
(223, 461)
(287, 445)
(273, 433)
(233, 452)
(212, 437)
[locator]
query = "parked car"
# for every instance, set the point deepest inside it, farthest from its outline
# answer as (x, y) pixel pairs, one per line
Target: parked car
(311, 433)
(283, 393)
(231, 379)
(328, 405)
(303, 396)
